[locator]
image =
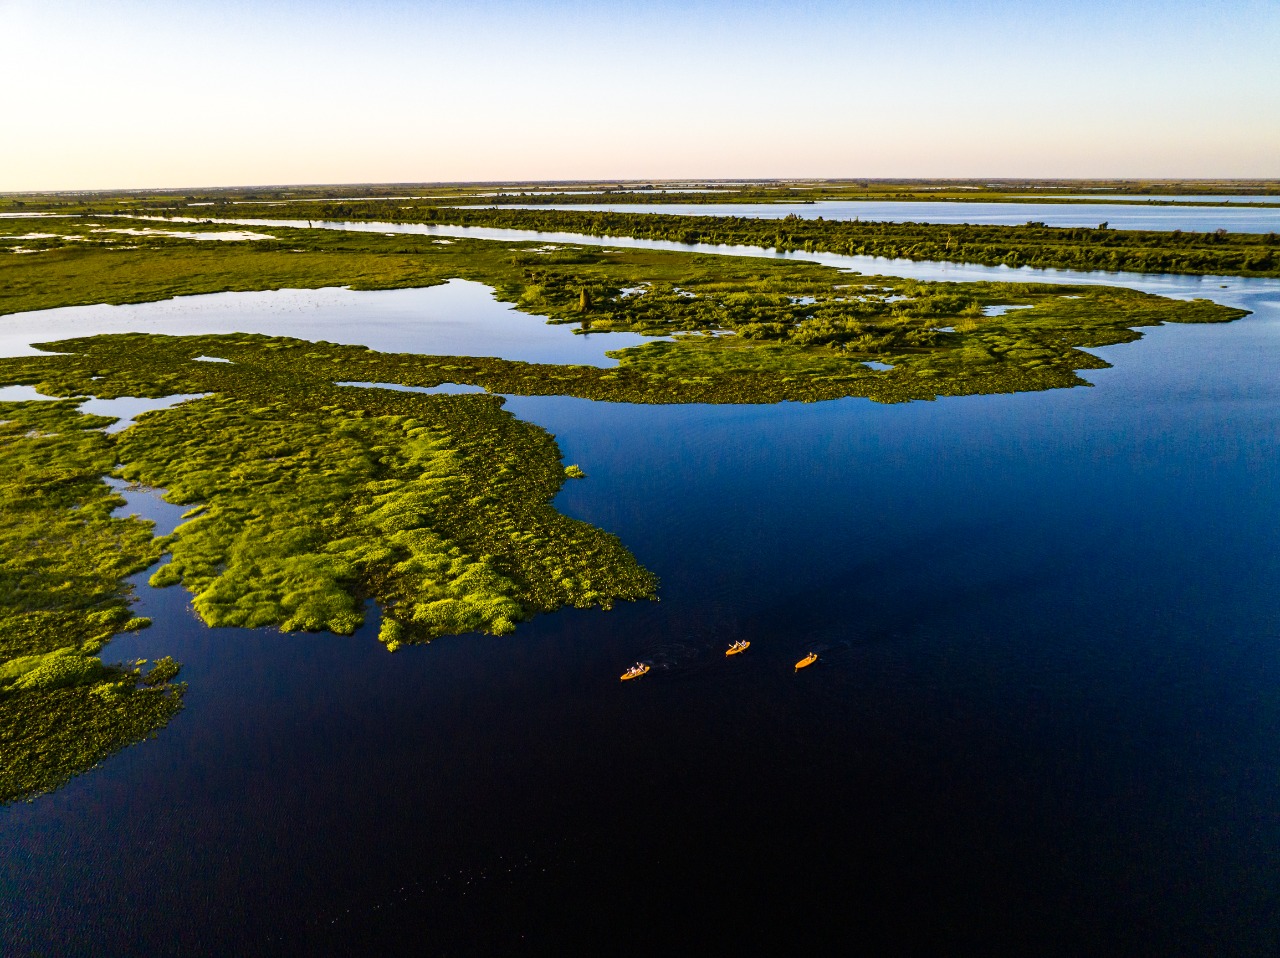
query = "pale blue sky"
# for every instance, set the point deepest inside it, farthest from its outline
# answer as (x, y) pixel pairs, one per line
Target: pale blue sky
(136, 93)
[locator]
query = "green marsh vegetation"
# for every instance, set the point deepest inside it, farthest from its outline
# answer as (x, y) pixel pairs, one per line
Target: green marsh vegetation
(314, 496)
(1033, 244)
(317, 497)
(63, 563)
(1079, 248)
(799, 331)
(310, 498)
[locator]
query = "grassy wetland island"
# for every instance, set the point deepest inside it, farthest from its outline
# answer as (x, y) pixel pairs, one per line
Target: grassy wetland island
(512, 479)
(308, 497)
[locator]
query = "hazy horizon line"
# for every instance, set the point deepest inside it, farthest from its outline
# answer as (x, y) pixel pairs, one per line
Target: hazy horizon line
(638, 180)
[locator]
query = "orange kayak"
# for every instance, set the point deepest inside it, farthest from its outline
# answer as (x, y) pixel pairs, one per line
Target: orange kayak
(807, 661)
(737, 648)
(635, 671)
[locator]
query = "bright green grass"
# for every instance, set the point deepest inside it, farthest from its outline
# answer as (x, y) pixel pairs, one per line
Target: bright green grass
(63, 559)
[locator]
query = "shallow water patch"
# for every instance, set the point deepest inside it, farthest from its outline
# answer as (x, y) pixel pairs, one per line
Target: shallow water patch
(457, 318)
(23, 394)
(148, 503)
(125, 409)
(444, 389)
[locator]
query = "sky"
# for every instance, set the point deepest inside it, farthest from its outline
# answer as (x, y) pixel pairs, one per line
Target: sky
(189, 93)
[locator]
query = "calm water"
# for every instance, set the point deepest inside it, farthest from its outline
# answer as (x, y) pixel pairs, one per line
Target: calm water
(124, 409)
(1044, 719)
(1190, 198)
(457, 318)
(1222, 288)
(1119, 216)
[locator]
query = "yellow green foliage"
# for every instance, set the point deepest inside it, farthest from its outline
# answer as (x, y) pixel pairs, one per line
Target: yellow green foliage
(49, 735)
(314, 497)
(437, 506)
(62, 554)
(63, 560)
(52, 670)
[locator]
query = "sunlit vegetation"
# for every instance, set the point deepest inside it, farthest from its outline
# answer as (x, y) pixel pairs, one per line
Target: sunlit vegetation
(62, 270)
(63, 563)
(308, 499)
(1078, 248)
(601, 289)
(317, 496)
(799, 331)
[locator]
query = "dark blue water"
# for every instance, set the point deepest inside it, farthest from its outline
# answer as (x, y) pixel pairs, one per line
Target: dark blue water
(1044, 719)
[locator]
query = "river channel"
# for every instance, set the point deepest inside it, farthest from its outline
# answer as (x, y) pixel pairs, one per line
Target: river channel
(1118, 216)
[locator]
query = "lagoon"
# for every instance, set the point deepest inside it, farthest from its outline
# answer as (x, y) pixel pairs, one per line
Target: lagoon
(457, 318)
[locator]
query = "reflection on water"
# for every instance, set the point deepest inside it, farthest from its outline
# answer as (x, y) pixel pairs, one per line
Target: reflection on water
(229, 236)
(457, 318)
(21, 394)
(147, 503)
(124, 409)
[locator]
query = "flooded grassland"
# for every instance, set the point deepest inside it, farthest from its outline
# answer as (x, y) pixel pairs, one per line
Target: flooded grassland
(309, 497)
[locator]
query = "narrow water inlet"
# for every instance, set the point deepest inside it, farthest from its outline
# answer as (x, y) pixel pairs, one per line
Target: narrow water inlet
(124, 409)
